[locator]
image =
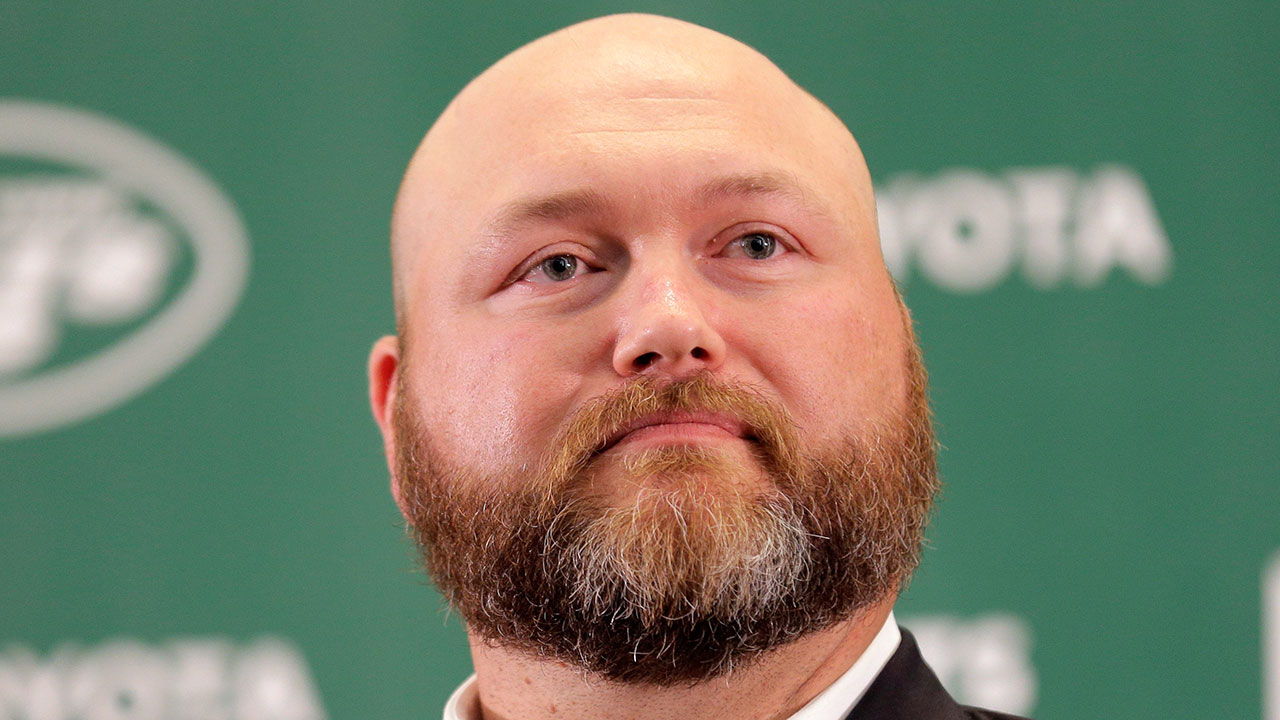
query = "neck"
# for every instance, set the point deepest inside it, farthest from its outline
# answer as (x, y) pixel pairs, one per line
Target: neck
(516, 685)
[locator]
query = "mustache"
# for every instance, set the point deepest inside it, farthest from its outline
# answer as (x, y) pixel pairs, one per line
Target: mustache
(590, 428)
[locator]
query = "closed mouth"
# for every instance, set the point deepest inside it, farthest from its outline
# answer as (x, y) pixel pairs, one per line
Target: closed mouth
(691, 424)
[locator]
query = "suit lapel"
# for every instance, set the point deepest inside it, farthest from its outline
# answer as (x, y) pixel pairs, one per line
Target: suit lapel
(906, 689)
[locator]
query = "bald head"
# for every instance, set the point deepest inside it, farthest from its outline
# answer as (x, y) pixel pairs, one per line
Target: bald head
(600, 89)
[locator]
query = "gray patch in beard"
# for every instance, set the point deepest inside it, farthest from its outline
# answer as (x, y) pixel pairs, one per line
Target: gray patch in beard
(697, 533)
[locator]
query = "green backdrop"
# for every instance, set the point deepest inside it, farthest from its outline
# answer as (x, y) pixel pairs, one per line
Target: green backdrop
(1081, 199)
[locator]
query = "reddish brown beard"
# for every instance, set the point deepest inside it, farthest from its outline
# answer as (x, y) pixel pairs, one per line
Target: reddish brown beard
(701, 572)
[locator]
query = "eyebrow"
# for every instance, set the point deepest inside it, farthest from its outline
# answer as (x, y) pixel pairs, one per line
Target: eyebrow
(560, 206)
(588, 201)
(784, 185)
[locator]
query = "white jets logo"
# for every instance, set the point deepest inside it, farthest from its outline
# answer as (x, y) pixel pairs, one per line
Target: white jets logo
(118, 261)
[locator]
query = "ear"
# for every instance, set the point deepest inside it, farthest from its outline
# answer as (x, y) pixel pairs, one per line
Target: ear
(384, 369)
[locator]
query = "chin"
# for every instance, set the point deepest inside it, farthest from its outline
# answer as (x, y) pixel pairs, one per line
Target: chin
(677, 472)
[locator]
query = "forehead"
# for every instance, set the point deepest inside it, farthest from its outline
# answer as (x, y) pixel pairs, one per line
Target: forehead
(591, 201)
(647, 148)
(647, 130)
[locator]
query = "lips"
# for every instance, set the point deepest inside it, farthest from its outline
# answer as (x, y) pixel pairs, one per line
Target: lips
(690, 420)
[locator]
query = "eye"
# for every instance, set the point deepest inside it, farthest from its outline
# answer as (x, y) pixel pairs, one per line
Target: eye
(756, 245)
(555, 269)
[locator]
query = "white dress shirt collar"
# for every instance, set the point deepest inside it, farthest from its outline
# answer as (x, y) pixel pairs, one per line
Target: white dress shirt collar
(840, 696)
(831, 704)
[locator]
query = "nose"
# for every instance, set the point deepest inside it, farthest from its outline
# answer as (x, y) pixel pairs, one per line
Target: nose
(665, 331)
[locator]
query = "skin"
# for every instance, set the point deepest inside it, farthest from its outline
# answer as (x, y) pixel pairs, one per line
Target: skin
(687, 141)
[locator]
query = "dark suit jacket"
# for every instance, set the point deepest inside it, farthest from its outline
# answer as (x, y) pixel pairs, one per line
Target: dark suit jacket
(906, 689)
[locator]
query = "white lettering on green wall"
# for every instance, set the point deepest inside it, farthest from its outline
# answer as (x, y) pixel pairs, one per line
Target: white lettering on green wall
(190, 679)
(967, 231)
(984, 660)
(1271, 639)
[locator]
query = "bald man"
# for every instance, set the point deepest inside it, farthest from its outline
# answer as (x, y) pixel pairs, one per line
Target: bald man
(654, 413)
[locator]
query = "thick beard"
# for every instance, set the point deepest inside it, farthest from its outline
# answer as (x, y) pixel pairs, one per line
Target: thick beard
(709, 565)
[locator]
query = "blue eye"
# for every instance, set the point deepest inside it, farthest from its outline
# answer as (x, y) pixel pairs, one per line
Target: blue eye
(557, 268)
(758, 246)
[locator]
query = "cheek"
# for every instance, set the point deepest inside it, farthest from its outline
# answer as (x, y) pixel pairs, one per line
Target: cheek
(494, 397)
(836, 358)
(466, 391)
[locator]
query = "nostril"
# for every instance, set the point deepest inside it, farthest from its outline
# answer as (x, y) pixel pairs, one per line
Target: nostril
(699, 354)
(646, 360)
